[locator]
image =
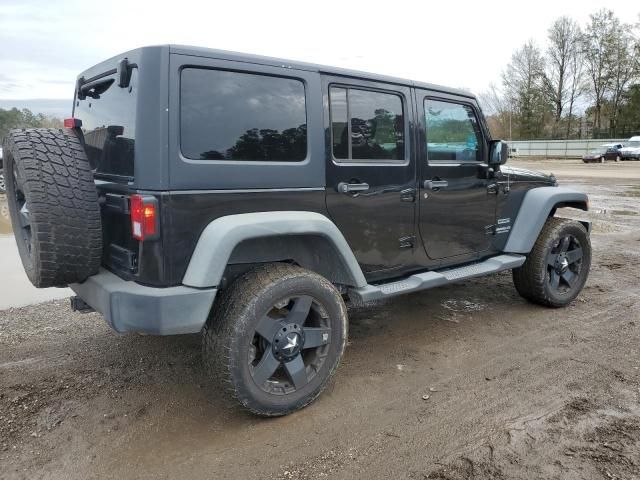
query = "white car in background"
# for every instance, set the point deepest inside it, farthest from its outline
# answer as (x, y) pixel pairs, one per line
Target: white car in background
(631, 150)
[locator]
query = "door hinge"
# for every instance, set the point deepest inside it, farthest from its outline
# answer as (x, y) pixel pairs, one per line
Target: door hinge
(408, 195)
(407, 242)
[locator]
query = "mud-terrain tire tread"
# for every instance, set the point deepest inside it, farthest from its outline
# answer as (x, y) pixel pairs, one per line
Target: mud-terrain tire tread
(530, 278)
(59, 189)
(227, 323)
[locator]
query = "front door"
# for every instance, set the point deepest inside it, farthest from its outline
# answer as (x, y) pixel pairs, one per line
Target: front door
(371, 174)
(457, 200)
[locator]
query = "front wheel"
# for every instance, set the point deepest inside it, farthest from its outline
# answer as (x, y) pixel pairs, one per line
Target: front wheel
(275, 338)
(557, 267)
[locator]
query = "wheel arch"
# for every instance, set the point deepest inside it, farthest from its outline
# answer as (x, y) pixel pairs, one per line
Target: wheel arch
(537, 206)
(235, 242)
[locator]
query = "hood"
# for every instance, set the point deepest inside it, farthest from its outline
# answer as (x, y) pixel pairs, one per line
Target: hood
(524, 175)
(630, 149)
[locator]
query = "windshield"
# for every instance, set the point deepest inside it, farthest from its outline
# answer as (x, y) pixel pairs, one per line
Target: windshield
(599, 150)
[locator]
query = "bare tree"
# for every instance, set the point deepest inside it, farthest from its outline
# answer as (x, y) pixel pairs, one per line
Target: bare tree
(578, 83)
(523, 82)
(636, 45)
(598, 47)
(623, 69)
(563, 73)
(498, 110)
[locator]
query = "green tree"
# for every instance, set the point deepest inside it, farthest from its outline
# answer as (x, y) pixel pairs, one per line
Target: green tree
(25, 118)
(629, 115)
(623, 71)
(523, 82)
(599, 44)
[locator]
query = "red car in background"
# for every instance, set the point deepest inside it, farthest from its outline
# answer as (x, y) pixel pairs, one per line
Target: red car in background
(608, 151)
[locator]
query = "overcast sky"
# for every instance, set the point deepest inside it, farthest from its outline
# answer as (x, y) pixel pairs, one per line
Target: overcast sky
(44, 44)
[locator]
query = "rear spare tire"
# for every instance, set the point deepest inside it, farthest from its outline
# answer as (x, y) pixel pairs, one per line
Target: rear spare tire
(53, 205)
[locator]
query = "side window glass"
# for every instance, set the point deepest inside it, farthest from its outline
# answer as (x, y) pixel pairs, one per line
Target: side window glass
(453, 132)
(228, 115)
(366, 125)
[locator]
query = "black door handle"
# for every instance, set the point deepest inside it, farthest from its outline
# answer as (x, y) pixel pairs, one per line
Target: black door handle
(435, 184)
(344, 187)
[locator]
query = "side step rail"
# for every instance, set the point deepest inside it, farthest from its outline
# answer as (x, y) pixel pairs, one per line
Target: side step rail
(423, 281)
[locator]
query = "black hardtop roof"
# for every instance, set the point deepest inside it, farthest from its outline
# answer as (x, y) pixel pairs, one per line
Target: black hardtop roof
(271, 61)
(279, 62)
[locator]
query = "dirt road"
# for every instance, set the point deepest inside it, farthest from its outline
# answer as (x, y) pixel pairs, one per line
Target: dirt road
(467, 381)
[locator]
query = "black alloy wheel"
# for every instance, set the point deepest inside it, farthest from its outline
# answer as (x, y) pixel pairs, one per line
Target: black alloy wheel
(557, 267)
(275, 338)
(564, 263)
(24, 233)
(289, 345)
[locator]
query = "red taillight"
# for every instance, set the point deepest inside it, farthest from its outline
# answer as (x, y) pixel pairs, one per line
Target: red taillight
(72, 123)
(144, 217)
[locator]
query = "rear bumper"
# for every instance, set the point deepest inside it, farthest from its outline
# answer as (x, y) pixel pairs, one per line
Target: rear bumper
(130, 307)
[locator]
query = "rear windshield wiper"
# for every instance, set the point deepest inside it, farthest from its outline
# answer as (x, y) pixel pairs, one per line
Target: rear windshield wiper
(94, 86)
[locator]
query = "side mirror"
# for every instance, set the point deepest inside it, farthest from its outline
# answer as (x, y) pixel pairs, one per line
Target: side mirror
(498, 152)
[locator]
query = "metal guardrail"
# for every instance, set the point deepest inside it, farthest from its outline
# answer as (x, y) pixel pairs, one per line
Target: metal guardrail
(559, 148)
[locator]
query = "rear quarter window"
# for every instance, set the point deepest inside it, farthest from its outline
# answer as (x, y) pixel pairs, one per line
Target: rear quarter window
(237, 116)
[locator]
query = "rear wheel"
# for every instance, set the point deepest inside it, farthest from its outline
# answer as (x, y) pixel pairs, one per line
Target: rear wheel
(617, 158)
(275, 338)
(3, 187)
(557, 267)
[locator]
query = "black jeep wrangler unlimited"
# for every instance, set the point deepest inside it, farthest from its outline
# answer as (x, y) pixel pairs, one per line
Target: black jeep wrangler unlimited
(250, 198)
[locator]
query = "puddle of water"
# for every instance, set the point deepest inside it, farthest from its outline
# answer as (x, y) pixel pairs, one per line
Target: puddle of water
(606, 211)
(19, 363)
(632, 190)
(459, 306)
(5, 220)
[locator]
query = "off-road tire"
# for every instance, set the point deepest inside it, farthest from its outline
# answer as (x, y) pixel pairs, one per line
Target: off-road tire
(48, 176)
(229, 331)
(532, 279)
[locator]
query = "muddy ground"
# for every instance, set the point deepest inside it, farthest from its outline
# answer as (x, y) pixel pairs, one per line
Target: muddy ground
(514, 390)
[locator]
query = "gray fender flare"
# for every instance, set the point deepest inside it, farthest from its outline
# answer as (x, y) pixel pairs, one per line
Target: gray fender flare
(534, 211)
(221, 236)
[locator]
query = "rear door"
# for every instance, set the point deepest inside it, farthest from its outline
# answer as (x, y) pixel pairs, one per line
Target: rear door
(371, 175)
(108, 114)
(458, 199)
